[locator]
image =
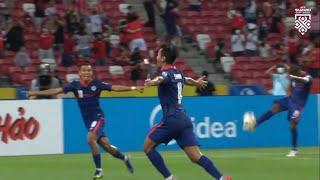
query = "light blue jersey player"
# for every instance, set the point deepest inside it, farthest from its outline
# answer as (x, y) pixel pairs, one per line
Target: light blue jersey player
(294, 103)
(175, 123)
(87, 91)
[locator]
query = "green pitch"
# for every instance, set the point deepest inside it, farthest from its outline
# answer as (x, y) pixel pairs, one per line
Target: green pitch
(241, 164)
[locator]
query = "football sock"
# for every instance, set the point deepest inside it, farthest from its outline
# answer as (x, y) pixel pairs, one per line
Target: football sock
(294, 137)
(158, 162)
(208, 165)
(118, 155)
(97, 160)
(264, 117)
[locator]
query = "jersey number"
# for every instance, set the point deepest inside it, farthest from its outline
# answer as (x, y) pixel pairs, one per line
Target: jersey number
(179, 85)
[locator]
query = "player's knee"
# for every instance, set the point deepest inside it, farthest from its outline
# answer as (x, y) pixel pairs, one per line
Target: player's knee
(293, 124)
(275, 108)
(146, 148)
(194, 159)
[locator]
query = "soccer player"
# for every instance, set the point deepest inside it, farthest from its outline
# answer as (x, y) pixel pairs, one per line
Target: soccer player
(293, 103)
(175, 123)
(87, 92)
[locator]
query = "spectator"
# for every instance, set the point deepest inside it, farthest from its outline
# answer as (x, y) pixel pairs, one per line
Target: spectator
(14, 37)
(315, 23)
(136, 73)
(280, 79)
(267, 9)
(46, 45)
(39, 13)
(264, 49)
(263, 27)
(2, 46)
(83, 43)
(220, 49)
(58, 35)
(276, 21)
(206, 91)
(250, 11)
(311, 60)
(292, 42)
(194, 5)
(251, 40)
(51, 9)
(95, 22)
(134, 35)
(149, 7)
(72, 22)
(135, 57)
(238, 21)
(22, 58)
(67, 58)
(170, 18)
(45, 80)
(237, 41)
(99, 50)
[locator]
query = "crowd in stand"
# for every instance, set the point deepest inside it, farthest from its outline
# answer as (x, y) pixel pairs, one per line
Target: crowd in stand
(256, 22)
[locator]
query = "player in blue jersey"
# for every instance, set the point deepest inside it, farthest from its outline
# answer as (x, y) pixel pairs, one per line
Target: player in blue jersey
(294, 103)
(87, 92)
(175, 123)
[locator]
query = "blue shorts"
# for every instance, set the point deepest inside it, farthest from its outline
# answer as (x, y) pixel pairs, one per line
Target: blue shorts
(294, 110)
(178, 127)
(95, 125)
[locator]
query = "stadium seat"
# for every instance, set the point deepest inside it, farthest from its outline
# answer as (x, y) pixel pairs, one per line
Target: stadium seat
(242, 59)
(203, 40)
(31, 69)
(227, 63)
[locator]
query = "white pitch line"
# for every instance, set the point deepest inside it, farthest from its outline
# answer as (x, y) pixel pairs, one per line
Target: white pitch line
(279, 156)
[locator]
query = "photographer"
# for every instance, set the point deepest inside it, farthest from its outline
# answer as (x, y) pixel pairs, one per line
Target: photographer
(44, 81)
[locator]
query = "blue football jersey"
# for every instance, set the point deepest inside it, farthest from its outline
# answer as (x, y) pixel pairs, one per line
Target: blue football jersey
(88, 96)
(170, 90)
(300, 91)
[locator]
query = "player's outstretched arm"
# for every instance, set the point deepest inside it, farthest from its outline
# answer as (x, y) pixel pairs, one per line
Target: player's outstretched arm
(304, 79)
(48, 92)
(153, 82)
(199, 82)
(119, 88)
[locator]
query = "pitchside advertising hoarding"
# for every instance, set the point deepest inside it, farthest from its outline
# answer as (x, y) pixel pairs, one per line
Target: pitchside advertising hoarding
(31, 127)
(217, 122)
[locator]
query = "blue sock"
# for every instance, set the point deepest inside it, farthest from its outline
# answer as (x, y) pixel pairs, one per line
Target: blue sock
(208, 165)
(158, 162)
(264, 117)
(294, 137)
(97, 160)
(118, 155)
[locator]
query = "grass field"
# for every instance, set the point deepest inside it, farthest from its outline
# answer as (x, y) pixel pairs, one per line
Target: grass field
(241, 164)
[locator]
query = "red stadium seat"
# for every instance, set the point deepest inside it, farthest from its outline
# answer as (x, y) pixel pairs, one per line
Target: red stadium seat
(31, 69)
(242, 59)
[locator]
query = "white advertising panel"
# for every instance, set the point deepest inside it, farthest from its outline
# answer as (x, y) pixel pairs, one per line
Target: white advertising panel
(31, 127)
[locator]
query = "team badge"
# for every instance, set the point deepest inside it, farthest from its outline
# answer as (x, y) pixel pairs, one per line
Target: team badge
(302, 19)
(93, 88)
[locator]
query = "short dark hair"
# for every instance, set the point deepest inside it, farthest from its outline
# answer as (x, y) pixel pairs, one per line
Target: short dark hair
(295, 69)
(84, 63)
(170, 53)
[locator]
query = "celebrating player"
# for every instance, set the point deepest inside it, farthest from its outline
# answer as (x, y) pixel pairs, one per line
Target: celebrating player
(87, 92)
(293, 103)
(175, 123)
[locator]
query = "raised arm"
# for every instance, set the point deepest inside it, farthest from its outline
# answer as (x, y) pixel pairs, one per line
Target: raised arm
(119, 88)
(154, 82)
(304, 79)
(48, 92)
(199, 82)
(270, 70)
